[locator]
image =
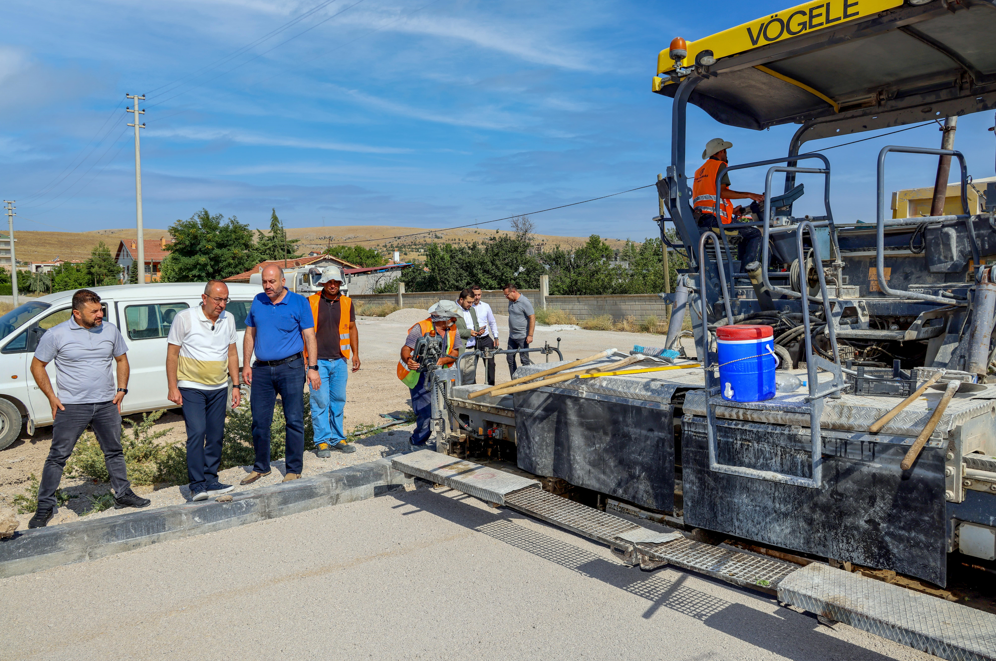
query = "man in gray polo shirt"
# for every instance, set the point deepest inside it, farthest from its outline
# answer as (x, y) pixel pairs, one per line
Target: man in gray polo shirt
(84, 350)
(521, 323)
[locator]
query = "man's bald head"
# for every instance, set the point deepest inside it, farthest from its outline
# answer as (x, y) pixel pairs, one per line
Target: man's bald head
(273, 282)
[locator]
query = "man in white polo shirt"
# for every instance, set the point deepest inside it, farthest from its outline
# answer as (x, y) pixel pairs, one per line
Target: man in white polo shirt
(200, 358)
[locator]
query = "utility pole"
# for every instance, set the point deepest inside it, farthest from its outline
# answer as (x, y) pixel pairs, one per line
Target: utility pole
(138, 186)
(667, 269)
(13, 259)
(944, 167)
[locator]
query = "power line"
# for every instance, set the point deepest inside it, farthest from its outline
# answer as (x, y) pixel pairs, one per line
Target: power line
(498, 220)
(259, 55)
(173, 85)
(874, 137)
(62, 175)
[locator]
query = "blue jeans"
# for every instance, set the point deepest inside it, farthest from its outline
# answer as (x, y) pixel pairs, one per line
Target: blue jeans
(204, 417)
(287, 380)
(422, 405)
(69, 425)
(328, 402)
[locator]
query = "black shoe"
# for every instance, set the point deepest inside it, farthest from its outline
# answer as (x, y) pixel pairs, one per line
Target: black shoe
(41, 518)
(130, 499)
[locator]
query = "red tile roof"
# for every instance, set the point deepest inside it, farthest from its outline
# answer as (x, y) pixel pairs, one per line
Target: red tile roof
(291, 263)
(155, 249)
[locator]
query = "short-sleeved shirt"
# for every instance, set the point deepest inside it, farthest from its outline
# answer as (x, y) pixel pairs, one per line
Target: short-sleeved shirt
(329, 313)
(518, 317)
(278, 327)
(84, 360)
(203, 363)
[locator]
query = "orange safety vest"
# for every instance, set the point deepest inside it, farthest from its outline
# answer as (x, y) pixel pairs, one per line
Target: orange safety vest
(345, 304)
(409, 377)
(704, 192)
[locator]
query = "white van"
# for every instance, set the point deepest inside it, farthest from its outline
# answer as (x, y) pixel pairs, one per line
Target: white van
(143, 314)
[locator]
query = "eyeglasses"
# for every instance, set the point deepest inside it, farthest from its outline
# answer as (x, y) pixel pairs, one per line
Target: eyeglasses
(219, 300)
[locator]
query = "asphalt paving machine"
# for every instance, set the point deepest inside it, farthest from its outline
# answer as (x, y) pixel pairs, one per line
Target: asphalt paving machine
(866, 314)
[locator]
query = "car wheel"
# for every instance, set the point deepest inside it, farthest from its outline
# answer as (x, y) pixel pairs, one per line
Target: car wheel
(10, 423)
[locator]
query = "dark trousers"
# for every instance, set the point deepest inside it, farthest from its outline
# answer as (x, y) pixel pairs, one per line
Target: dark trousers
(204, 416)
(517, 343)
(286, 380)
(422, 405)
(749, 249)
(486, 342)
(69, 426)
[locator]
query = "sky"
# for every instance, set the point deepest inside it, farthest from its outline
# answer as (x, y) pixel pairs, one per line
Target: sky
(425, 113)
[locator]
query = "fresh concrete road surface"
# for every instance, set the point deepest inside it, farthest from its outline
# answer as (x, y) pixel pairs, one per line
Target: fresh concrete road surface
(427, 574)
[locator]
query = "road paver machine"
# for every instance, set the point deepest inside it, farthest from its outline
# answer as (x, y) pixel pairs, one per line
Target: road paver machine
(865, 313)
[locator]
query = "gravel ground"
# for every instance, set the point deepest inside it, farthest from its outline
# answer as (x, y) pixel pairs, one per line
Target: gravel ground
(371, 393)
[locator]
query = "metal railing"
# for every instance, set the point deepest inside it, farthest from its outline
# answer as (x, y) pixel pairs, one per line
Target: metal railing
(881, 222)
(814, 363)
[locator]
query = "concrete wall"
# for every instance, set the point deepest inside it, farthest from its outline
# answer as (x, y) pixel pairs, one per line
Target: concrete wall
(618, 307)
(366, 283)
(423, 300)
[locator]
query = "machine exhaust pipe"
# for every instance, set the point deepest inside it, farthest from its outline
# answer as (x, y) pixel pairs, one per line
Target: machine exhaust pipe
(984, 309)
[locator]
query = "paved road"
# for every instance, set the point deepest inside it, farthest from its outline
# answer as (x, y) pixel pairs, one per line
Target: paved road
(411, 575)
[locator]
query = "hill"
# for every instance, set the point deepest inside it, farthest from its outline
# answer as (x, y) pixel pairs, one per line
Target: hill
(47, 246)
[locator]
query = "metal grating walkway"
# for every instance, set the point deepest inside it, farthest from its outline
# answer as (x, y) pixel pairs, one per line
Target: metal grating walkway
(940, 627)
(916, 620)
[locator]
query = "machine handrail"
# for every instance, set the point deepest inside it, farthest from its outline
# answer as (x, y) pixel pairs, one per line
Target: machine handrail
(767, 227)
(814, 363)
(703, 291)
(880, 220)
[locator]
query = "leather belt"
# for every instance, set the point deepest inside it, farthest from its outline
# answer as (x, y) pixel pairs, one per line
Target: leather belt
(284, 361)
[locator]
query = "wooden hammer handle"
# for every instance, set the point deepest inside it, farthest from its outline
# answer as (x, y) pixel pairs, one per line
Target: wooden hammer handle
(921, 440)
(885, 419)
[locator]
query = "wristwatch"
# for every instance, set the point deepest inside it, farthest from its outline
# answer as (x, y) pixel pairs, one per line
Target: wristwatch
(313, 367)
(124, 390)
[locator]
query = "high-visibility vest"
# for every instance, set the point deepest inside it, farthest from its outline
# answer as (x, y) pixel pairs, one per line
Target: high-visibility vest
(410, 377)
(704, 192)
(344, 306)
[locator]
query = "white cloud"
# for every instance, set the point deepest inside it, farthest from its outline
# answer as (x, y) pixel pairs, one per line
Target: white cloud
(249, 138)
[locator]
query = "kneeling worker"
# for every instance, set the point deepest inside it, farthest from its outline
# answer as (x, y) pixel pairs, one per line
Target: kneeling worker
(441, 322)
(704, 203)
(338, 341)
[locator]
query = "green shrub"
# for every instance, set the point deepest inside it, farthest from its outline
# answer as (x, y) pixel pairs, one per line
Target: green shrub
(148, 462)
(381, 310)
(27, 502)
(650, 325)
(237, 449)
(104, 501)
(602, 323)
(553, 317)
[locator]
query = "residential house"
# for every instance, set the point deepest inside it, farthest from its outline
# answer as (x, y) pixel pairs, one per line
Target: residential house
(155, 252)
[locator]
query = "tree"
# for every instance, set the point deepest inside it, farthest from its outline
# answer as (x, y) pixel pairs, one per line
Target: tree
(205, 248)
(357, 255)
(523, 228)
(275, 245)
(40, 283)
(67, 277)
(101, 267)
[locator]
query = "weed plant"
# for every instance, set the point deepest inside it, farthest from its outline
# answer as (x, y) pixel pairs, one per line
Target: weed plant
(27, 502)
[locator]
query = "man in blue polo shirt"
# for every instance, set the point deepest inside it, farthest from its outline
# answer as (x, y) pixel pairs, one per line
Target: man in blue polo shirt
(279, 327)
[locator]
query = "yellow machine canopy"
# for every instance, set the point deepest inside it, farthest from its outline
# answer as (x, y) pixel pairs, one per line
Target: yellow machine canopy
(853, 64)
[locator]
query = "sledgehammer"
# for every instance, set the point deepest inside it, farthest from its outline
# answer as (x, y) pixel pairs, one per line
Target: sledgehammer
(876, 426)
(921, 440)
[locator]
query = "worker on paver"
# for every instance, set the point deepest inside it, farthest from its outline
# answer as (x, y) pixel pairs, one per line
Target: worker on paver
(84, 349)
(201, 355)
(468, 328)
(489, 338)
(704, 204)
(338, 341)
(521, 323)
(278, 327)
(441, 323)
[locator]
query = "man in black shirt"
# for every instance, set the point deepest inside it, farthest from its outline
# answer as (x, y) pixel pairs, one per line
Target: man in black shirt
(338, 342)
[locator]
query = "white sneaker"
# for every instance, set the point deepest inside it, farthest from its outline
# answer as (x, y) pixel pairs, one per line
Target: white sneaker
(199, 496)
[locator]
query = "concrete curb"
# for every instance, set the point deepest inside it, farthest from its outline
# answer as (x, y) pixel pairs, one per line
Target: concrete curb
(35, 550)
